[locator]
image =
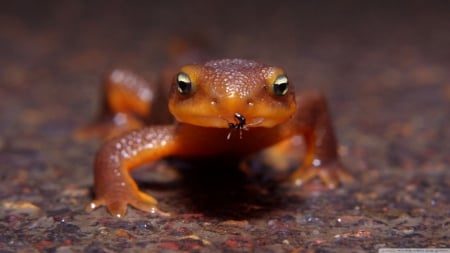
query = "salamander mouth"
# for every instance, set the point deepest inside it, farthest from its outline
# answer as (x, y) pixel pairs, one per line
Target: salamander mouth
(231, 121)
(240, 123)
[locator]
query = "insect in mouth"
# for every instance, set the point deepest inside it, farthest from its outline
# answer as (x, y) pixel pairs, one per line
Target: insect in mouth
(240, 124)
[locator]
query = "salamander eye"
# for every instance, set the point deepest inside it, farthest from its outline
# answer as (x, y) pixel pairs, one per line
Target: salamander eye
(184, 83)
(281, 85)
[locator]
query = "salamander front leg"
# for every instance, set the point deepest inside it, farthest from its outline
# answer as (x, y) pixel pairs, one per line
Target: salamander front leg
(114, 187)
(321, 158)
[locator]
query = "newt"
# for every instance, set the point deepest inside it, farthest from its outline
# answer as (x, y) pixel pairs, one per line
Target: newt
(228, 107)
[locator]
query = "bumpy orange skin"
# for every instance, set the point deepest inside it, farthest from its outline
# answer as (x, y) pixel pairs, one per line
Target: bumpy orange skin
(232, 106)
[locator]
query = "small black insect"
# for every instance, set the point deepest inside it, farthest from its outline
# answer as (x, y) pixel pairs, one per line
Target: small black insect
(240, 124)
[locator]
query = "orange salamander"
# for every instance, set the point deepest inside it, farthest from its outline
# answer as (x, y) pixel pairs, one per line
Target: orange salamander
(230, 107)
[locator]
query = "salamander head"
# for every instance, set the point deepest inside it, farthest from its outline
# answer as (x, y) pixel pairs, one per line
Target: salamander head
(232, 93)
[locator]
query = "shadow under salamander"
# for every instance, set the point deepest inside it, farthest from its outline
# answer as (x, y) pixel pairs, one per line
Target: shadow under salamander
(217, 187)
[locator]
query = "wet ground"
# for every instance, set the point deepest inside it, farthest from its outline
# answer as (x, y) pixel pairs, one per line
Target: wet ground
(383, 65)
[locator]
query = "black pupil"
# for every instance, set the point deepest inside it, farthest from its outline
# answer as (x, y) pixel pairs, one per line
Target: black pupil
(280, 88)
(184, 87)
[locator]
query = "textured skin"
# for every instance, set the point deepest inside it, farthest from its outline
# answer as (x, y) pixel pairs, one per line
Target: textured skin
(124, 83)
(233, 77)
(229, 86)
(207, 126)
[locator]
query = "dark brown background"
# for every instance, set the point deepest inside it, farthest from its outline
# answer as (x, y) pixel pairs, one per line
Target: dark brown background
(384, 66)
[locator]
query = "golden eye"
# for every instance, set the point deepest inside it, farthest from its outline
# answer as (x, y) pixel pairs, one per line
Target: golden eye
(281, 85)
(184, 83)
